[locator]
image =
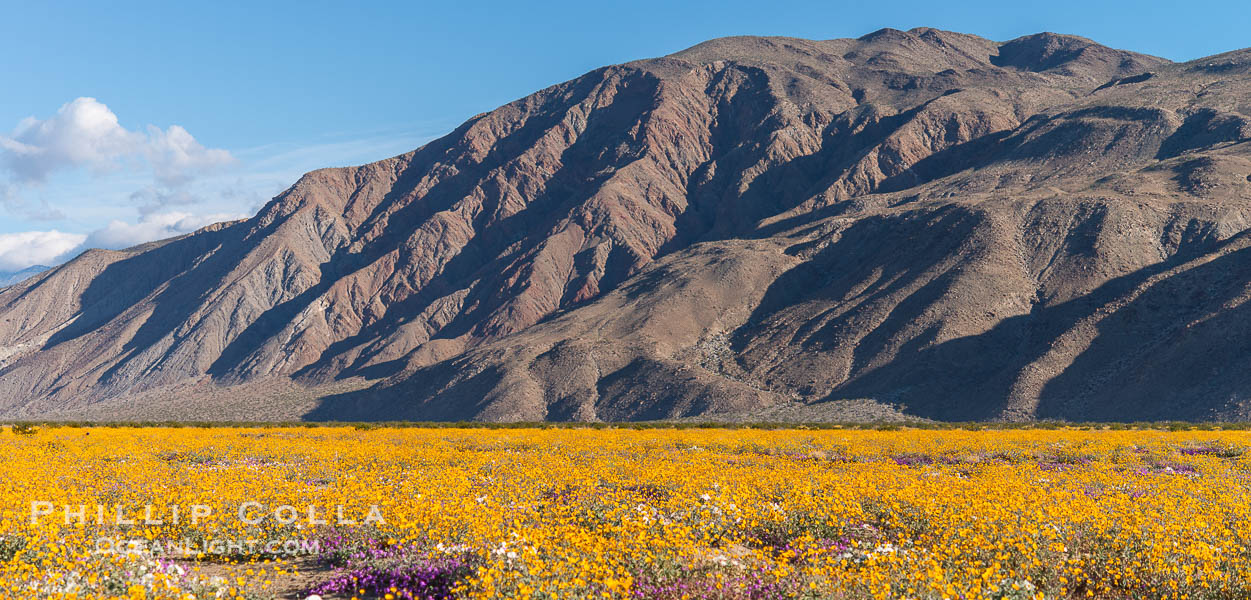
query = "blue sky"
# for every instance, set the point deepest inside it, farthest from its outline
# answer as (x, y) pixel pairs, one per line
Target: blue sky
(202, 111)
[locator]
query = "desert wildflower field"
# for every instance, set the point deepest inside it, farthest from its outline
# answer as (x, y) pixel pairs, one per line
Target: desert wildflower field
(342, 512)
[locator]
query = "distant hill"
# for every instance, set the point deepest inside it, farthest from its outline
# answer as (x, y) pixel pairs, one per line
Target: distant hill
(10, 278)
(909, 224)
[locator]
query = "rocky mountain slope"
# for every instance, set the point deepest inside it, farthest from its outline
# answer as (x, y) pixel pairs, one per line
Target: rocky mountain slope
(917, 223)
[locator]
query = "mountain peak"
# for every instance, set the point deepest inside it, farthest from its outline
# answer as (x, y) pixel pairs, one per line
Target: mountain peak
(1071, 55)
(925, 50)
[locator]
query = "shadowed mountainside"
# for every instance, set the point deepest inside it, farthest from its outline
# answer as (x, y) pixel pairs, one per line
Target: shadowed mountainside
(936, 224)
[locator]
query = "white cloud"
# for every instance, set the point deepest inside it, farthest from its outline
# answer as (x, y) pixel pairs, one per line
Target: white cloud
(84, 133)
(16, 205)
(176, 156)
(28, 248)
(153, 226)
(152, 199)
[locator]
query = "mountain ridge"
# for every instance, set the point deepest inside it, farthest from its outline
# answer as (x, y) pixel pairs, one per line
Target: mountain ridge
(8, 278)
(931, 221)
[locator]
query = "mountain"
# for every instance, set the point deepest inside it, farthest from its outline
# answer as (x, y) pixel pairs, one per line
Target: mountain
(9, 278)
(917, 224)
